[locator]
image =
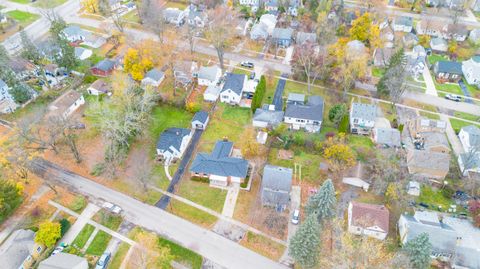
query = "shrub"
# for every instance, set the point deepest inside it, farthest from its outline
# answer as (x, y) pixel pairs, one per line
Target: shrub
(343, 126)
(329, 135)
(64, 226)
(245, 183)
(259, 94)
(97, 169)
(78, 204)
(200, 179)
(447, 192)
(89, 79)
(400, 128)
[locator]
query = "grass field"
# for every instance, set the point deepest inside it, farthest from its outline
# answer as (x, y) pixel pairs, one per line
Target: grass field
(23, 18)
(449, 87)
(201, 193)
(119, 255)
(432, 59)
(459, 124)
(434, 199)
(310, 163)
(83, 236)
(263, 245)
(108, 219)
(99, 244)
(191, 214)
(182, 255)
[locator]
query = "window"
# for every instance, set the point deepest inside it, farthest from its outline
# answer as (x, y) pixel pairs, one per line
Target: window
(29, 258)
(39, 249)
(355, 120)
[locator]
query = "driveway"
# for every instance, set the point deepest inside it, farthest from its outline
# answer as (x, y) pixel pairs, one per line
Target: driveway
(452, 136)
(278, 96)
(295, 199)
(206, 243)
(187, 156)
(427, 77)
(465, 91)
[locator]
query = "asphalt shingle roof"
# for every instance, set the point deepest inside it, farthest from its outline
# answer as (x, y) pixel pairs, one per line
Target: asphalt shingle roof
(388, 136)
(273, 117)
(156, 74)
(64, 261)
(105, 65)
(363, 214)
(364, 111)
(200, 116)
(282, 33)
(313, 110)
(234, 82)
(208, 72)
(277, 178)
(16, 248)
(473, 132)
(449, 67)
(219, 163)
(404, 20)
(172, 137)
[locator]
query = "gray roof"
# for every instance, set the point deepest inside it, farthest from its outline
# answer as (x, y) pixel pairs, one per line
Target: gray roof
(473, 161)
(16, 248)
(474, 134)
(276, 185)
(208, 72)
(272, 3)
(2, 84)
(200, 116)
(105, 65)
(303, 37)
(364, 111)
(171, 13)
(429, 160)
(172, 137)
(434, 139)
(79, 51)
(234, 82)
(282, 33)
(438, 41)
(73, 30)
(449, 67)
(155, 74)
(296, 97)
(64, 261)
(313, 110)
(404, 20)
(219, 163)
(273, 117)
(388, 136)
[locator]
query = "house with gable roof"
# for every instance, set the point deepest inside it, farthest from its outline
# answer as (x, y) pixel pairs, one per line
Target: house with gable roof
(200, 120)
(209, 75)
(153, 78)
(219, 167)
(471, 70)
(362, 118)
(64, 260)
(403, 24)
(172, 143)
(276, 186)
(368, 219)
(470, 137)
(99, 87)
(232, 90)
(447, 71)
(307, 116)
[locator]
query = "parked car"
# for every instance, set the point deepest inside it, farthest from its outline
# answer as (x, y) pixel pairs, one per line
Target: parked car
(57, 250)
(453, 97)
(103, 261)
(423, 205)
(247, 64)
(296, 217)
(252, 75)
(112, 208)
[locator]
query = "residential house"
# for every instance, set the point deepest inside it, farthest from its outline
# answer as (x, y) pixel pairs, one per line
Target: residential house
(219, 166)
(153, 78)
(114, 4)
(362, 118)
(387, 35)
(421, 125)
(438, 44)
(474, 35)
(389, 137)
(435, 141)
(307, 116)
(212, 93)
(174, 16)
(355, 49)
(418, 51)
(293, 6)
(368, 219)
(381, 56)
(303, 37)
(82, 53)
(456, 32)
(3, 18)
(52, 70)
(410, 39)
(74, 33)
(242, 27)
(471, 70)
(232, 90)
(22, 68)
(64, 260)
(99, 87)
(195, 16)
(428, 164)
(172, 143)
(413, 188)
(271, 6)
(356, 177)
(469, 162)
(470, 138)
(19, 250)
(295, 99)
(433, 28)
(200, 120)
(209, 75)
(94, 40)
(447, 71)
(264, 27)
(267, 117)
(276, 186)
(184, 71)
(253, 4)
(7, 103)
(66, 104)
(453, 240)
(403, 24)
(48, 49)
(282, 36)
(104, 68)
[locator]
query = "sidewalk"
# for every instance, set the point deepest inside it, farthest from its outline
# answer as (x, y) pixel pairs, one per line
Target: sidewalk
(82, 219)
(230, 201)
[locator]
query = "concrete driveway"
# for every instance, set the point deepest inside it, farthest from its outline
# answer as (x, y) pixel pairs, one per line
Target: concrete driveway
(427, 77)
(86, 215)
(295, 200)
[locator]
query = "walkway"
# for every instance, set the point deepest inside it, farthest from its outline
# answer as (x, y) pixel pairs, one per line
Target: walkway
(187, 156)
(295, 199)
(278, 96)
(230, 201)
(167, 172)
(427, 77)
(82, 219)
(452, 136)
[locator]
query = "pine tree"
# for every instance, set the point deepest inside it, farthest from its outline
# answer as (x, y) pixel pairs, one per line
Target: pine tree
(418, 250)
(29, 51)
(322, 204)
(305, 243)
(395, 61)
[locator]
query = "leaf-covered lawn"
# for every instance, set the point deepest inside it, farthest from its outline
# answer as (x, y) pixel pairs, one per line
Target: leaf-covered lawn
(99, 244)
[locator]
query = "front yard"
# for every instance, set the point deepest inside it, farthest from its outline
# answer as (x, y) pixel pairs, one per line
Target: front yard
(23, 18)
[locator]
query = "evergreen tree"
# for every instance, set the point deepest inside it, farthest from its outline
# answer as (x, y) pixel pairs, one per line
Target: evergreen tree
(322, 204)
(10, 198)
(396, 61)
(29, 50)
(305, 243)
(259, 94)
(66, 57)
(337, 113)
(418, 250)
(20, 92)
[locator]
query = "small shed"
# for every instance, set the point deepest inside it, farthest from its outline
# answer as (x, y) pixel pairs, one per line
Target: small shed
(262, 137)
(354, 178)
(413, 188)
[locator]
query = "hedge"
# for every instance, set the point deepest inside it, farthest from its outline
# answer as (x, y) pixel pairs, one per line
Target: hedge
(257, 99)
(343, 126)
(201, 179)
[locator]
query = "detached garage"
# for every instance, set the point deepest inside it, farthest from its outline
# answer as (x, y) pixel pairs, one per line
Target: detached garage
(200, 120)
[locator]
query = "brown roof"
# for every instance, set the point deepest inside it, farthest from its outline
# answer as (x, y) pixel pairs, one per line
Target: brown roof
(63, 102)
(100, 85)
(20, 65)
(363, 213)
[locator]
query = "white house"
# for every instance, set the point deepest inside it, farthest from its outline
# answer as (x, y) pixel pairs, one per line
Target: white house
(99, 87)
(307, 116)
(7, 104)
(362, 118)
(211, 93)
(254, 4)
(153, 78)
(174, 16)
(200, 120)
(232, 90)
(82, 53)
(403, 24)
(172, 143)
(74, 33)
(471, 70)
(368, 220)
(470, 137)
(209, 75)
(66, 104)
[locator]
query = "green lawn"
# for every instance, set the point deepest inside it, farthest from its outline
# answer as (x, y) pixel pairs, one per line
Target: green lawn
(132, 16)
(241, 70)
(430, 115)
(449, 87)
(23, 18)
(378, 72)
(182, 255)
(166, 116)
(466, 116)
(191, 214)
(107, 219)
(99, 244)
(310, 163)
(119, 255)
(432, 59)
(83, 236)
(24, 2)
(357, 141)
(459, 124)
(434, 198)
(201, 193)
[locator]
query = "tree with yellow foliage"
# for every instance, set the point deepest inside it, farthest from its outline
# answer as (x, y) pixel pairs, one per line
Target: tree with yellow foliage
(48, 233)
(135, 64)
(363, 29)
(90, 6)
(249, 145)
(339, 156)
(148, 253)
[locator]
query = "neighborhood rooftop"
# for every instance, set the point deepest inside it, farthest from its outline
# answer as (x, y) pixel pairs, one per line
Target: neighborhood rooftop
(234, 82)
(364, 111)
(313, 110)
(172, 137)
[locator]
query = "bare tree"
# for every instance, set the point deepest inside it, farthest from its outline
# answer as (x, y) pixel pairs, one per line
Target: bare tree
(470, 159)
(310, 61)
(118, 21)
(189, 34)
(219, 30)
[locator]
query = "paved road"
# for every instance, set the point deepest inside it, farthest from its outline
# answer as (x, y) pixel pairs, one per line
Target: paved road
(443, 103)
(278, 96)
(187, 156)
(206, 243)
